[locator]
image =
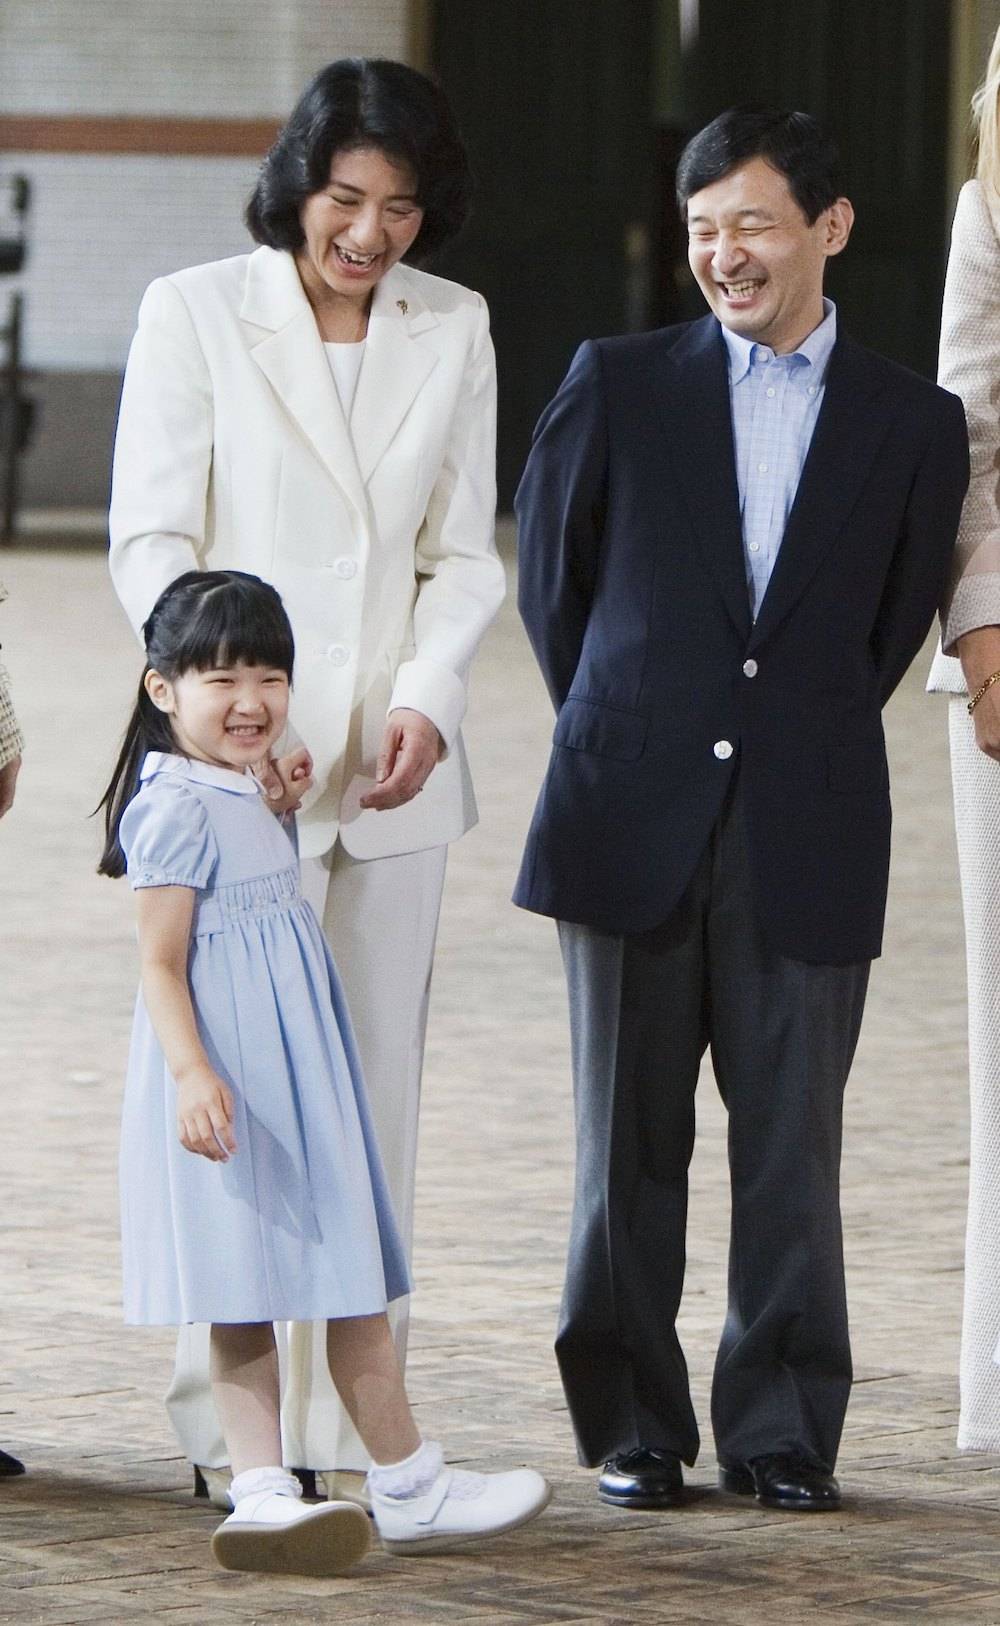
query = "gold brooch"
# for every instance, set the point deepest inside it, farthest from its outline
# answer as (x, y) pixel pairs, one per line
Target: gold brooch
(402, 305)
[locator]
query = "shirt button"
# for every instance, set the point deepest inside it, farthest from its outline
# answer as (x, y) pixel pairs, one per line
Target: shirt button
(761, 468)
(337, 655)
(723, 749)
(754, 547)
(749, 668)
(771, 390)
(812, 389)
(345, 569)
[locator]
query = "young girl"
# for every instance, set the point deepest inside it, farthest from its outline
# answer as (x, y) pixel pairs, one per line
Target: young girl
(251, 1186)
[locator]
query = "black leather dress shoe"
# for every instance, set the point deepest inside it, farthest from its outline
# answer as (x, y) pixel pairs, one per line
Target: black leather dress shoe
(784, 1482)
(642, 1479)
(9, 1466)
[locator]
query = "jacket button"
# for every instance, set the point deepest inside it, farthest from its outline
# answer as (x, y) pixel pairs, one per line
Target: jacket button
(749, 668)
(345, 569)
(337, 655)
(723, 749)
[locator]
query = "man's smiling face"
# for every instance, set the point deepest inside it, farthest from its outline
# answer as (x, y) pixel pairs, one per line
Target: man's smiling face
(757, 259)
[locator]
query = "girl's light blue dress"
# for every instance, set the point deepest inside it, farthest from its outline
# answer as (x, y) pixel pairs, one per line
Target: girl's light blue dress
(297, 1225)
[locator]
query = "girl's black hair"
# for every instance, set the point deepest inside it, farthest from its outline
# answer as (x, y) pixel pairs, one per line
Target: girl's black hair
(204, 619)
(365, 102)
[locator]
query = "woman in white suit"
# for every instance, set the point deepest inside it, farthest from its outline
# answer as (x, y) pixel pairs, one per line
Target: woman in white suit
(322, 413)
(969, 670)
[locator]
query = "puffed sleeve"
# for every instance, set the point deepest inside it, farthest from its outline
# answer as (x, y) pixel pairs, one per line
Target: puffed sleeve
(167, 838)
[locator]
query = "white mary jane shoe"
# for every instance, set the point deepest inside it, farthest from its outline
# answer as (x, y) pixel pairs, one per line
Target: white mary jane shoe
(273, 1532)
(459, 1508)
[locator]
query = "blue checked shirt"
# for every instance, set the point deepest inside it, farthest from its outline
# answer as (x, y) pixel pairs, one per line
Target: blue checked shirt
(775, 402)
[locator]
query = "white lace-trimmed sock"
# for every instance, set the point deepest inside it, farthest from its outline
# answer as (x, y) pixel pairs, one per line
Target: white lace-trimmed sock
(278, 1480)
(411, 1477)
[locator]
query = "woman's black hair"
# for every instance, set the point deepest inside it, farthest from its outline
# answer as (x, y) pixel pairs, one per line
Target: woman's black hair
(203, 620)
(365, 102)
(792, 143)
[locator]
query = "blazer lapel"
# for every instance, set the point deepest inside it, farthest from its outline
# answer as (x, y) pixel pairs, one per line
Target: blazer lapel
(845, 441)
(289, 352)
(395, 367)
(697, 420)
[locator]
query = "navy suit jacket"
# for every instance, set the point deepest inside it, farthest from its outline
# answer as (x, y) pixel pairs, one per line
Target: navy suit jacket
(633, 591)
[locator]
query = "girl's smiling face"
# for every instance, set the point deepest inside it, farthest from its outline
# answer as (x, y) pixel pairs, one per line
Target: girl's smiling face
(357, 226)
(229, 716)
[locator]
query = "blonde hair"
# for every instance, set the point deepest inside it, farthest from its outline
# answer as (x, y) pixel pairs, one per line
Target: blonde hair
(986, 113)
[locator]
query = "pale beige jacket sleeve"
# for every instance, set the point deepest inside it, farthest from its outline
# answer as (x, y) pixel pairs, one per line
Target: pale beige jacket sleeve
(970, 367)
(11, 738)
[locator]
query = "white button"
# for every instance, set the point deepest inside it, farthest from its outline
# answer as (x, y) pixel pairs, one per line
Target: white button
(812, 389)
(749, 668)
(754, 547)
(761, 468)
(337, 655)
(723, 749)
(345, 569)
(771, 390)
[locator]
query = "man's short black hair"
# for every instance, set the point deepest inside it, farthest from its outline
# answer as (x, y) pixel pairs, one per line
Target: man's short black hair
(365, 102)
(792, 143)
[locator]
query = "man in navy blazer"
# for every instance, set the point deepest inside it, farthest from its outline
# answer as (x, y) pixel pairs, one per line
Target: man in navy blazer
(734, 534)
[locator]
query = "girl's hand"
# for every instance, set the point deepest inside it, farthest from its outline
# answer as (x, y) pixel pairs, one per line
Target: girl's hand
(286, 779)
(205, 1116)
(411, 749)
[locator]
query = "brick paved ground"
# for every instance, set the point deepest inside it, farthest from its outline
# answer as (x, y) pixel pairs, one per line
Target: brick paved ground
(103, 1529)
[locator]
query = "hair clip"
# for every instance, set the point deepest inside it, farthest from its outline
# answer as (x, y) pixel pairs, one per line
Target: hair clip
(402, 306)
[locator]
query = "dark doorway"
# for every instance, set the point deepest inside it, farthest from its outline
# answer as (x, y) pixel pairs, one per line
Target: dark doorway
(876, 75)
(554, 98)
(574, 232)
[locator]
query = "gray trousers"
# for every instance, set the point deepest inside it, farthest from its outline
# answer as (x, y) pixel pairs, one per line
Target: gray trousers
(643, 1010)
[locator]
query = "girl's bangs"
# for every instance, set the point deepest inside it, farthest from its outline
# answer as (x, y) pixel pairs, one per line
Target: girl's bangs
(231, 625)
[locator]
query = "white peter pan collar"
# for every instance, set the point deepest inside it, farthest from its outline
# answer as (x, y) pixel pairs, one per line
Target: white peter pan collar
(202, 773)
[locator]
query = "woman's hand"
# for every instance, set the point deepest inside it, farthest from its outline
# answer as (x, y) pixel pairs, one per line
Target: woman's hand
(987, 720)
(286, 779)
(205, 1115)
(411, 748)
(979, 652)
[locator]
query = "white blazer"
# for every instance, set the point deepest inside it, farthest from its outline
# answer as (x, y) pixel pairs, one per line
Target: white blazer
(233, 452)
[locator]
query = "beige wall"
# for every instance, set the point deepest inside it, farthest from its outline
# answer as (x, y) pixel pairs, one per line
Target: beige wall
(103, 226)
(75, 76)
(974, 23)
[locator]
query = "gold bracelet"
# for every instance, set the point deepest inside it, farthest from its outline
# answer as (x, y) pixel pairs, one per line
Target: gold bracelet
(994, 677)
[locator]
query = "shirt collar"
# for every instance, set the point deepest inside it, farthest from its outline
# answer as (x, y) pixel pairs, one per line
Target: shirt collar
(815, 347)
(202, 773)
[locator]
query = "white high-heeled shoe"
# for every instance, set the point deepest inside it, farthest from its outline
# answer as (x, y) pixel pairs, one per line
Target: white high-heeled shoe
(272, 1531)
(458, 1508)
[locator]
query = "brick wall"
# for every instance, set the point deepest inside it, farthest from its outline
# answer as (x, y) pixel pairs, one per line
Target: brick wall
(102, 226)
(235, 58)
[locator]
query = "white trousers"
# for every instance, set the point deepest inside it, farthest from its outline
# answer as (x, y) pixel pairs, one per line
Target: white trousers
(380, 917)
(976, 783)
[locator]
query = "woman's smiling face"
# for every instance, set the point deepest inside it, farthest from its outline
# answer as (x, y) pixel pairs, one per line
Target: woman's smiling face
(357, 226)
